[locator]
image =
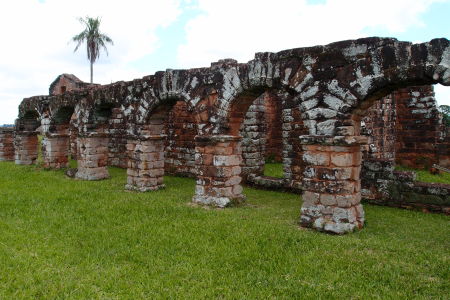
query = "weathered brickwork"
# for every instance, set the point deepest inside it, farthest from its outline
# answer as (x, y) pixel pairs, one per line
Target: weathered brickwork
(273, 127)
(26, 147)
(145, 163)
(117, 143)
(180, 144)
(253, 130)
(380, 127)
(384, 186)
(418, 127)
(55, 150)
(331, 198)
(218, 159)
(92, 157)
(404, 128)
(65, 83)
(322, 93)
(293, 163)
(73, 138)
(6, 144)
(262, 136)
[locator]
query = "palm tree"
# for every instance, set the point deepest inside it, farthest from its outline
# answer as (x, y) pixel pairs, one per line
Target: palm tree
(95, 40)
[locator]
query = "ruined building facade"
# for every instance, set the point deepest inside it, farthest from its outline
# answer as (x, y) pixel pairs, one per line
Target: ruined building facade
(337, 116)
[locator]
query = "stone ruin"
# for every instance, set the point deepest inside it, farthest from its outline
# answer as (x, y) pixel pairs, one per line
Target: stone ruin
(337, 116)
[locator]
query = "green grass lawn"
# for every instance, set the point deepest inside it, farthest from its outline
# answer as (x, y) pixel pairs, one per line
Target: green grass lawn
(273, 170)
(426, 176)
(67, 239)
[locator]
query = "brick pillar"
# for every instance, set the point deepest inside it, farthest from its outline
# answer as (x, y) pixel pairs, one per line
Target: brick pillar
(6, 144)
(331, 183)
(55, 150)
(25, 147)
(92, 156)
(145, 163)
(218, 159)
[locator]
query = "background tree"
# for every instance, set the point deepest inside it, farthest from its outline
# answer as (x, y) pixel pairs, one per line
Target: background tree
(95, 40)
(445, 110)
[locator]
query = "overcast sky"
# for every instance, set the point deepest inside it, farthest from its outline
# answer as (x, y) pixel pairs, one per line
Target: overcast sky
(153, 35)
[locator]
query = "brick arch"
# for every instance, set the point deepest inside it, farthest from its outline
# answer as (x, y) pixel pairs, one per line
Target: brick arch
(356, 76)
(56, 142)
(164, 143)
(60, 119)
(30, 121)
(330, 86)
(238, 108)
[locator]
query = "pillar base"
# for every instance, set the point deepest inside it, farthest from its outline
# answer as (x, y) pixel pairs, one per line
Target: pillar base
(145, 170)
(337, 220)
(92, 156)
(55, 151)
(26, 147)
(219, 202)
(331, 183)
(218, 159)
(92, 173)
(144, 189)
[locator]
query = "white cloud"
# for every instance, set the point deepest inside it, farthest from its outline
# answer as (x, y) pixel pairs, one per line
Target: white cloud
(238, 29)
(36, 36)
(36, 43)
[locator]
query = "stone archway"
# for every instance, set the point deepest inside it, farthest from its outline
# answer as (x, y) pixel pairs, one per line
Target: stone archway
(56, 140)
(159, 144)
(336, 104)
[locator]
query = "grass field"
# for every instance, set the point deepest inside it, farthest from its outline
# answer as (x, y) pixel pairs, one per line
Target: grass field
(273, 170)
(67, 239)
(426, 176)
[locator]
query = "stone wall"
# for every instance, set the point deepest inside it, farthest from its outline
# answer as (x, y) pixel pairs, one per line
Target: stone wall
(26, 147)
(380, 126)
(73, 137)
(117, 143)
(405, 126)
(254, 136)
(384, 186)
(418, 127)
(273, 125)
(180, 145)
(6, 144)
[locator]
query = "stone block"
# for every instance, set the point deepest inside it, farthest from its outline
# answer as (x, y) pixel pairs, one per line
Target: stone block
(310, 198)
(316, 158)
(227, 160)
(346, 200)
(327, 199)
(342, 159)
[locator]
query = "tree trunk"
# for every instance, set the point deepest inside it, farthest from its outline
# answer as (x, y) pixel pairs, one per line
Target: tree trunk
(92, 72)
